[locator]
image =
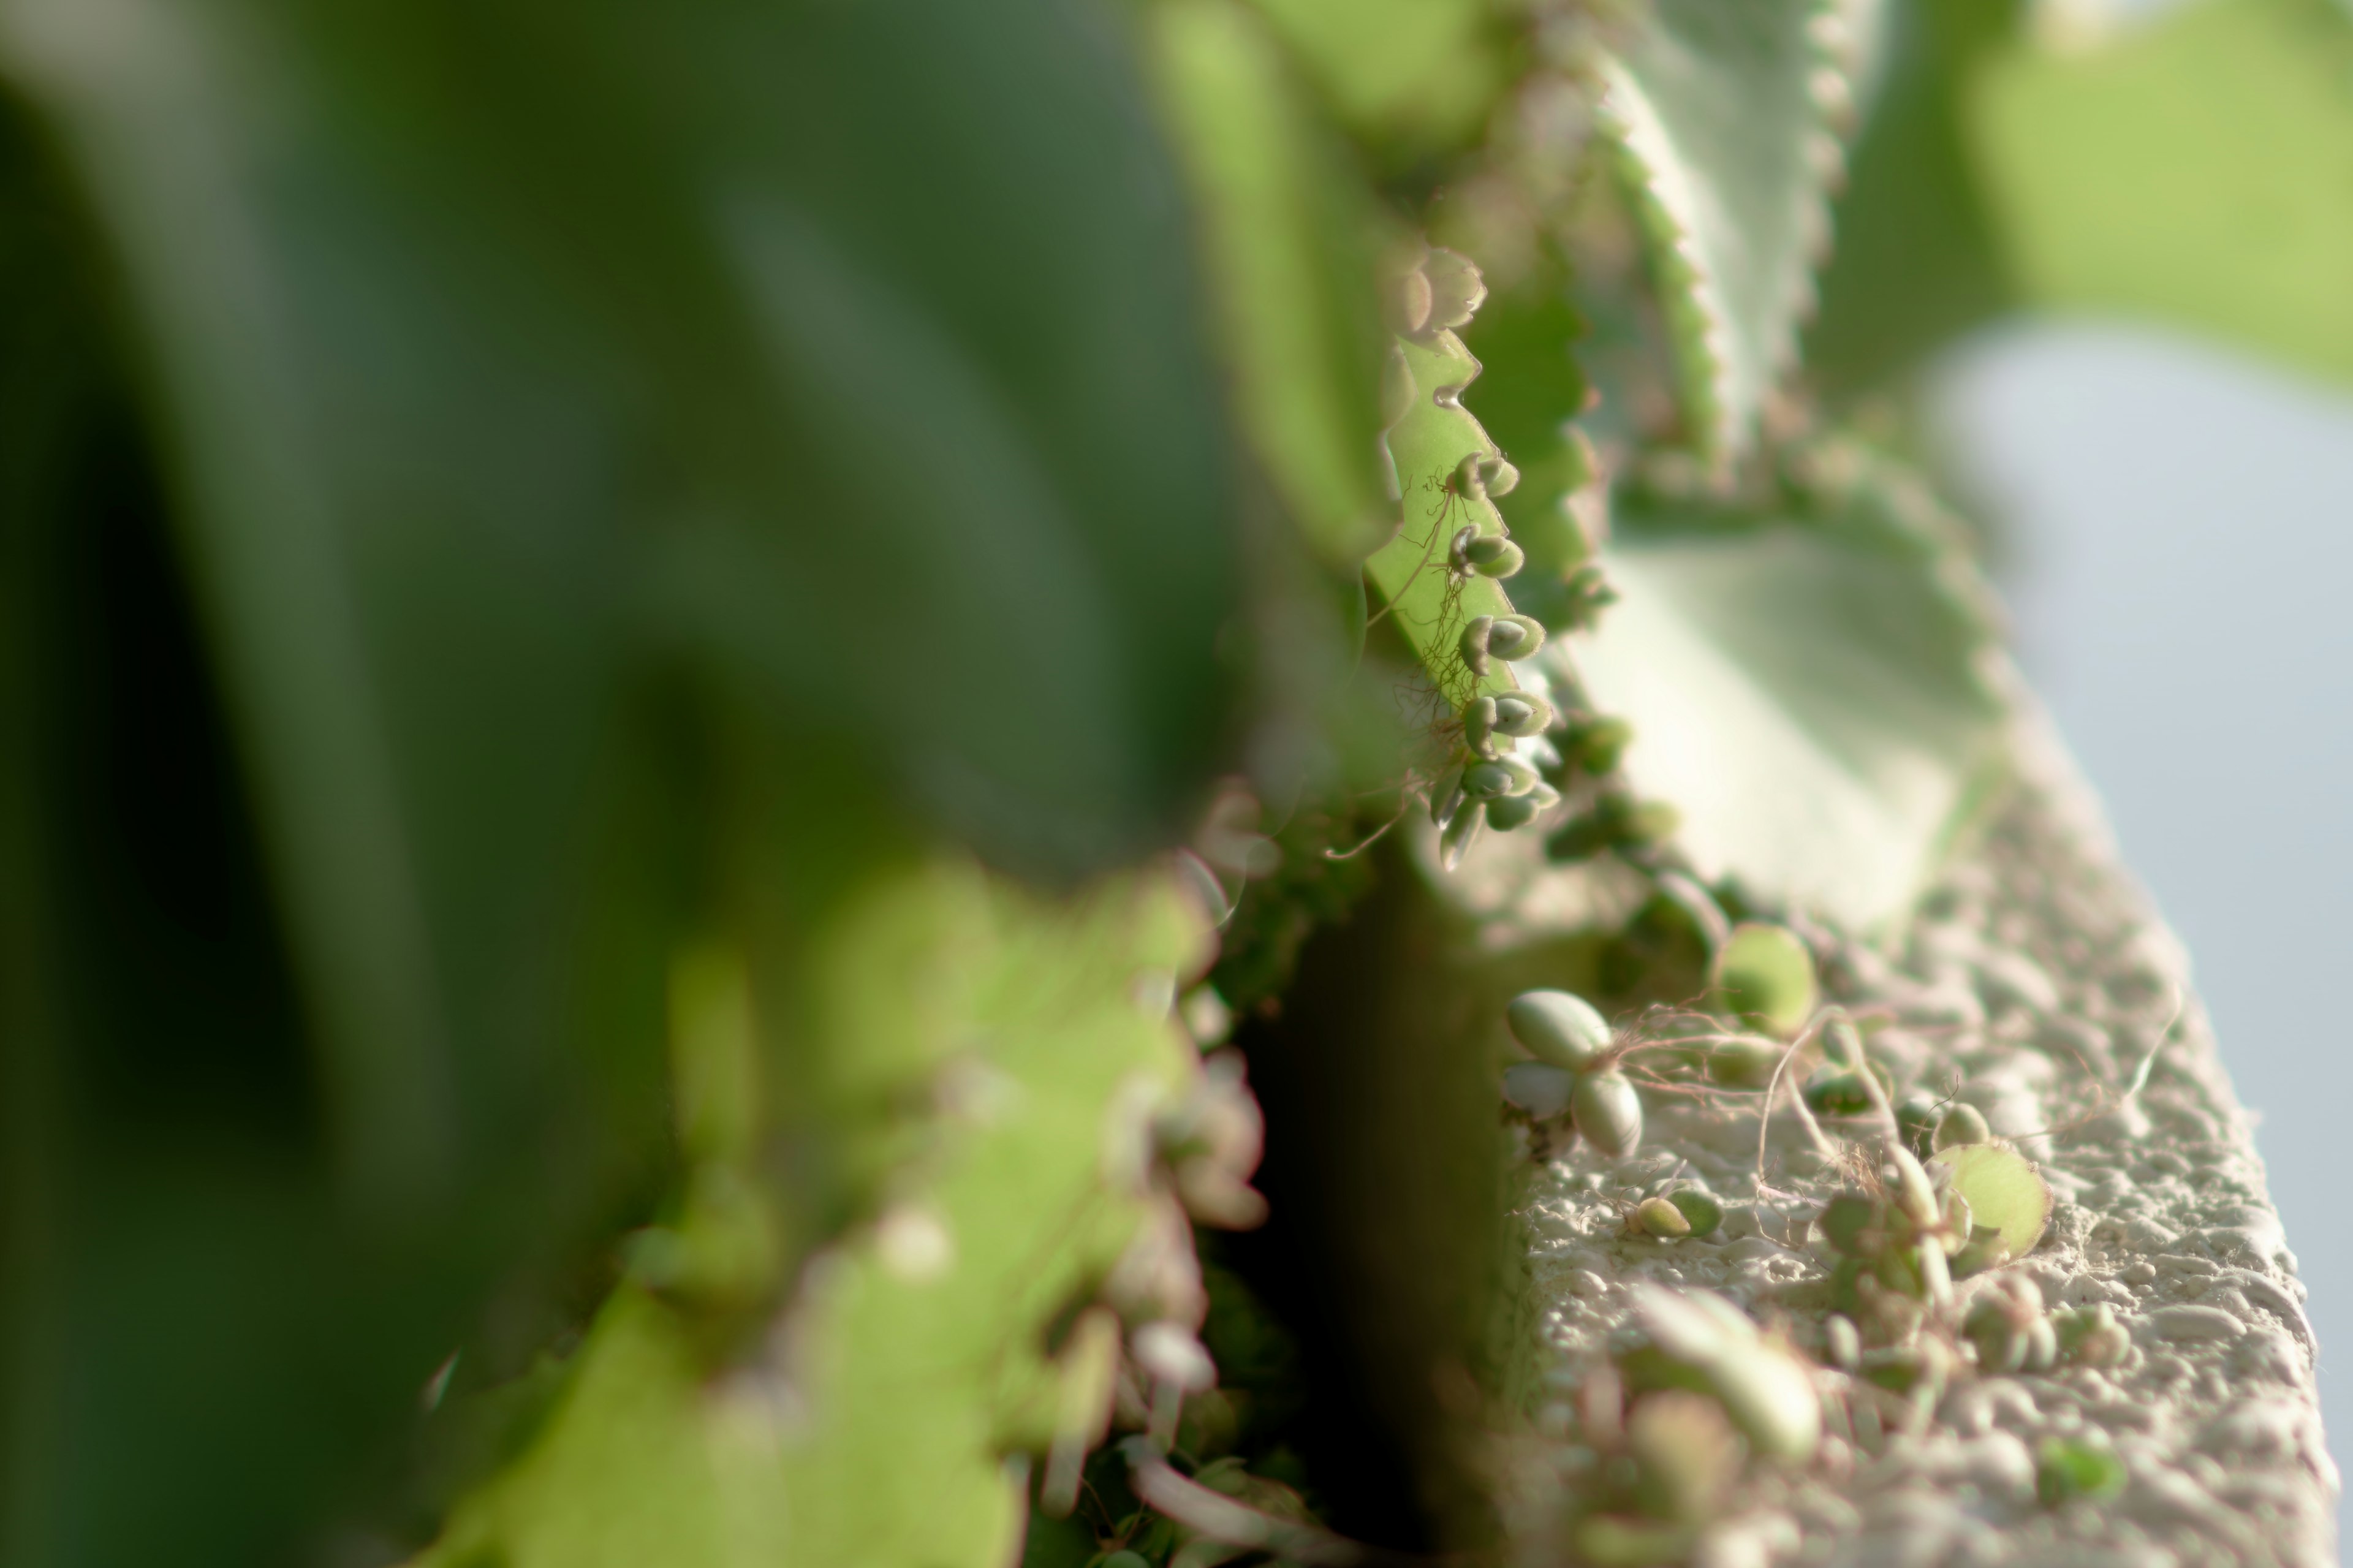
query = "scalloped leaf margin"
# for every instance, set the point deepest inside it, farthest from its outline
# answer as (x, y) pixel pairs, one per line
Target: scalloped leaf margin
(1726, 120)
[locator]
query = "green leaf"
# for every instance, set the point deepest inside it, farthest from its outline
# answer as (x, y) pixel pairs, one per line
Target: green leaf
(567, 419)
(1808, 683)
(1725, 117)
(1413, 76)
(1919, 257)
(1428, 601)
(2197, 172)
(2005, 1193)
(1285, 225)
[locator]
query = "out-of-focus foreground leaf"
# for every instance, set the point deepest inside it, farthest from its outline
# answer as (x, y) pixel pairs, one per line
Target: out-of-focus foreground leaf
(921, 1349)
(532, 383)
(2195, 172)
(1810, 683)
(1726, 117)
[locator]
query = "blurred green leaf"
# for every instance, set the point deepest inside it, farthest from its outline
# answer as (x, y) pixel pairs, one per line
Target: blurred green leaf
(1287, 229)
(1918, 258)
(1809, 684)
(532, 384)
(2197, 172)
(879, 1427)
(1409, 77)
(1725, 118)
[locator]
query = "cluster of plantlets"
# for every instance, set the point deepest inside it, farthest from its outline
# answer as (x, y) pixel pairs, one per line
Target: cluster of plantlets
(1762, 1000)
(1576, 1070)
(1669, 1426)
(1218, 1484)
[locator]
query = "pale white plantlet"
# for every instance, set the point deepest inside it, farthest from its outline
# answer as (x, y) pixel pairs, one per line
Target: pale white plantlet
(1608, 1112)
(1521, 714)
(1558, 1028)
(1539, 1089)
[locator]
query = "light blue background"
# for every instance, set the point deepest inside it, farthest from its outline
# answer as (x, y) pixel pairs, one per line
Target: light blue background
(2175, 535)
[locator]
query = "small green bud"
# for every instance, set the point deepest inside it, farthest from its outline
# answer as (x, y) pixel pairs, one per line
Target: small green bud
(1514, 637)
(1962, 1124)
(2001, 1348)
(1702, 1211)
(1765, 977)
(1519, 810)
(1832, 1092)
(1661, 1219)
(1490, 555)
(1589, 593)
(1558, 1028)
(1650, 821)
(1614, 822)
(1521, 714)
(1985, 1249)
(2071, 1469)
(1478, 474)
(1841, 1341)
(1599, 743)
(1473, 644)
(1742, 1062)
(1608, 1113)
(1921, 1368)
(2091, 1335)
(1540, 1089)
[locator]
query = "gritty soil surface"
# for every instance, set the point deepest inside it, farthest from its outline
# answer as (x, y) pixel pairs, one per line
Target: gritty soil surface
(2032, 985)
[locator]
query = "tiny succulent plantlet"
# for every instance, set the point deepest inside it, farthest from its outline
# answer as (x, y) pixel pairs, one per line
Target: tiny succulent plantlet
(1765, 977)
(1558, 1028)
